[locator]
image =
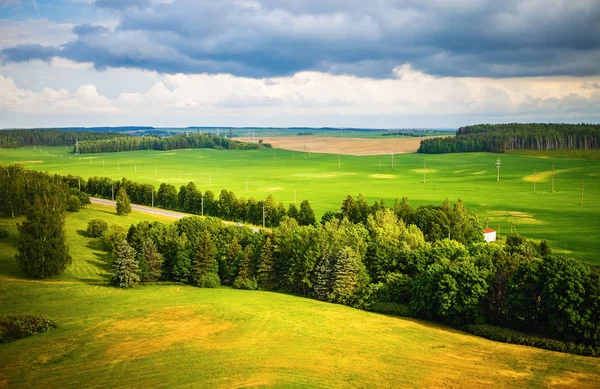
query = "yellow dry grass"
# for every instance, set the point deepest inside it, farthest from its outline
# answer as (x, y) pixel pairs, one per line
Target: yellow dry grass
(159, 331)
(545, 175)
(384, 176)
(346, 146)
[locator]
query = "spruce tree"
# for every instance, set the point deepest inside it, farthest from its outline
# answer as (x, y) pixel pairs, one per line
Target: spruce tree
(322, 277)
(233, 252)
(205, 269)
(123, 206)
(152, 261)
(345, 275)
(125, 267)
(42, 248)
(266, 276)
(245, 278)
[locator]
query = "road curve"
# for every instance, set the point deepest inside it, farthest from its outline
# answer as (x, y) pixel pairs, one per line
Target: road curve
(141, 208)
(158, 211)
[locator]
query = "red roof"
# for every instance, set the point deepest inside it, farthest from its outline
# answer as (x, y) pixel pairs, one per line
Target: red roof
(487, 230)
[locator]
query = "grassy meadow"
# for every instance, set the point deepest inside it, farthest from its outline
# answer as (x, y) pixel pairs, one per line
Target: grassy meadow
(176, 335)
(558, 217)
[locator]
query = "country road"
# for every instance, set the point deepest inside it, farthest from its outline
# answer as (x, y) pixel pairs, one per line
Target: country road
(158, 211)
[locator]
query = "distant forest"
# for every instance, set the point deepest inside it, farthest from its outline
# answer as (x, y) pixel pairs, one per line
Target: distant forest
(47, 137)
(498, 138)
(193, 141)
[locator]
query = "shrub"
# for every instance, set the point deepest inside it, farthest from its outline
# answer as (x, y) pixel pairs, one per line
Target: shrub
(245, 283)
(96, 227)
(114, 235)
(74, 204)
(501, 334)
(21, 326)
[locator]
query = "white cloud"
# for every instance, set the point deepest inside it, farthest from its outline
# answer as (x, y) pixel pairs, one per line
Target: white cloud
(316, 98)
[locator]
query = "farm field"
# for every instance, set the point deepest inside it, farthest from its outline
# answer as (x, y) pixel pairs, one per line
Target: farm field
(344, 146)
(176, 335)
(558, 216)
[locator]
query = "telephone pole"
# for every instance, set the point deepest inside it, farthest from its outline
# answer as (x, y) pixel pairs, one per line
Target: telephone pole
(202, 198)
(498, 164)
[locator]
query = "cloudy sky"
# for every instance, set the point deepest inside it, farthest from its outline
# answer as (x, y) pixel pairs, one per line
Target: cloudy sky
(355, 63)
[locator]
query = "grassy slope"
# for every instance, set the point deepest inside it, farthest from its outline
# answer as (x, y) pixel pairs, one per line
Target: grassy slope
(165, 336)
(557, 217)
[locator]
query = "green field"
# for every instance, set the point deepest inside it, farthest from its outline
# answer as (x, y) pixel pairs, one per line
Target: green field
(558, 216)
(176, 335)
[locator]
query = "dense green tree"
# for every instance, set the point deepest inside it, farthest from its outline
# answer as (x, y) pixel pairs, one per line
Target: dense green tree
(266, 272)
(205, 269)
(125, 267)
(231, 262)
(113, 236)
(246, 278)
(306, 216)
(323, 277)
(123, 205)
(152, 261)
(346, 275)
(42, 249)
(167, 196)
(292, 211)
(74, 205)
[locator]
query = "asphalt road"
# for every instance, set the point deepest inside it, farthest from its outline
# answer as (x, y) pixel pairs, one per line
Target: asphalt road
(141, 208)
(155, 211)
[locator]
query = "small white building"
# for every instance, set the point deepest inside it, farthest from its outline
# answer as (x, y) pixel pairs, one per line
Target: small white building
(489, 235)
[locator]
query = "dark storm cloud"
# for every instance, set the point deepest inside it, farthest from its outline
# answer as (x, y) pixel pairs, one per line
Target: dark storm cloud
(270, 38)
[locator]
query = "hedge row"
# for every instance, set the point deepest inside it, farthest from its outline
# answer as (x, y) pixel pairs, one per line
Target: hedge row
(21, 326)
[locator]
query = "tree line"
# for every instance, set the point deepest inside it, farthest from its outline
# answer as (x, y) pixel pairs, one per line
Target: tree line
(181, 141)
(383, 265)
(498, 138)
(382, 262)
(48, 137)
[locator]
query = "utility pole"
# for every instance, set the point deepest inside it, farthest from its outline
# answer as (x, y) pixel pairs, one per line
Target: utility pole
(533, 181)
(202, 198)
(339, 161)
(152, 191)
(498, 164)
(581, 191)
(552, 178)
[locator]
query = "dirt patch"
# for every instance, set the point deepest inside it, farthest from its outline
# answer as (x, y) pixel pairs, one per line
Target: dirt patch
(478, 173)
(517, 217)
(424, 170)
(138, 337)
(384, 176)
(346, 146)
(573, 380)
(30, 162)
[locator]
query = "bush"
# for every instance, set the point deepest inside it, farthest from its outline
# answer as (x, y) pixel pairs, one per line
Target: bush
(506, 335)
(3, 233)
(114, 235)
(21, 326)
(247, 284)
(96, 227)
(74, 204)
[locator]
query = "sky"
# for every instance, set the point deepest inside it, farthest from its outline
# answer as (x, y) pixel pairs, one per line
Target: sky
(280, 63)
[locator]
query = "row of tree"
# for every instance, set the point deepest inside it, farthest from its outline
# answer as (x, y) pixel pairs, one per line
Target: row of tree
(181, 141)
(383, 265)
(498, 138)
(48, 137)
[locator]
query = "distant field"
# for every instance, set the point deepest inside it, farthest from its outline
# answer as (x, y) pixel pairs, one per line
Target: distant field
(345, 146)
(181, 336)
(572, 229)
